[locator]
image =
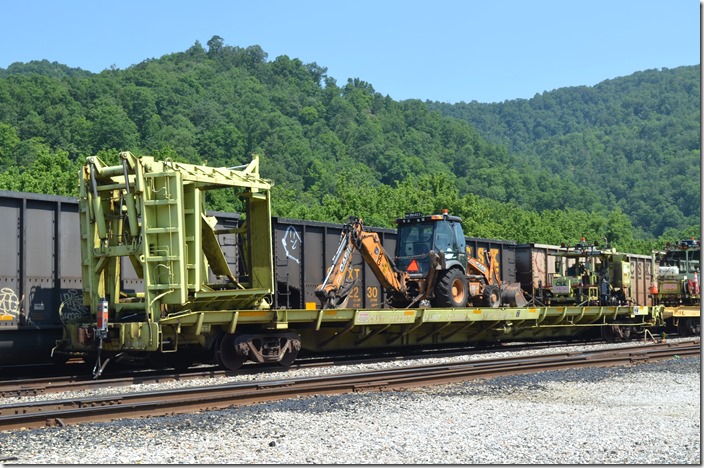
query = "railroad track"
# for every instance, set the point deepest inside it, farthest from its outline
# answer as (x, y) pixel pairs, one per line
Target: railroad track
(181, 401)
(54, 383)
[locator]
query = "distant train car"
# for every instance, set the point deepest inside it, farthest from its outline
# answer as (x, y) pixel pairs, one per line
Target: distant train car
(40, 269)
(677, 285)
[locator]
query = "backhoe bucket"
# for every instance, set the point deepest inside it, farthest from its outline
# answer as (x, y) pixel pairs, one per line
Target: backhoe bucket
(336, 299)
(512, 294)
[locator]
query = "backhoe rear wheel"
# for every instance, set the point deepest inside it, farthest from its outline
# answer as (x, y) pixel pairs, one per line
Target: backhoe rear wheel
(451, 289)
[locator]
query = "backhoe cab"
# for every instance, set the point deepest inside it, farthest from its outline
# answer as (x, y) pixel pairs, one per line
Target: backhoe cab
(430, 266)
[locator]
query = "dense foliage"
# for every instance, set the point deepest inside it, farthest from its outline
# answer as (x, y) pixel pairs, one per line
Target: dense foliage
(631, 143)
(332, 150)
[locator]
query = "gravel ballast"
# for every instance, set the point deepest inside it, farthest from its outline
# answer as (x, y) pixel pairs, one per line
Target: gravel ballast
(645, 414)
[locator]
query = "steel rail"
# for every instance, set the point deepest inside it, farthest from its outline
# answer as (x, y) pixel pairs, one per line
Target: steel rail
(171, 402)
(43, 385)
(65, 383)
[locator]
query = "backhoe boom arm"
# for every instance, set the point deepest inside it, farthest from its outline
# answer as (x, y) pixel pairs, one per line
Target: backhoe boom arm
(338, 283)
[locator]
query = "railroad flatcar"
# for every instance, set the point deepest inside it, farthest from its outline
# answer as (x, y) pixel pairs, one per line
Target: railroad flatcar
(137, 269)
(41, 284)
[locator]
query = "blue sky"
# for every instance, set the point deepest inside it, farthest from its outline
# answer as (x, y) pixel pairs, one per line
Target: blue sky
(444, 50)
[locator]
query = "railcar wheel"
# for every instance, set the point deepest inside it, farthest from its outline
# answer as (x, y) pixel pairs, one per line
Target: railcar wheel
(689, 327)
(615, 332)
(226, 354)
(451, 289)
(491, 297)
(625, 333)
(288, 358)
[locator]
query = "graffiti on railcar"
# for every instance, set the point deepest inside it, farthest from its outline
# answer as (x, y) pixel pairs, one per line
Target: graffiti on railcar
(73, 308)
(9, 305)
(291, 242)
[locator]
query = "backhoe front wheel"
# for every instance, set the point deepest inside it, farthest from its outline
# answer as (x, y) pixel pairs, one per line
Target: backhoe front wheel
(451, 289)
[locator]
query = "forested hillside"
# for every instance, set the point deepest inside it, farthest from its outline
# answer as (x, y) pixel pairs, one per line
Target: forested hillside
(332, 150)
(632, 141)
